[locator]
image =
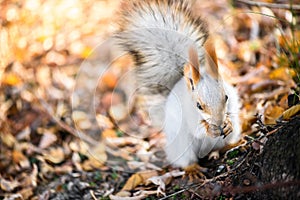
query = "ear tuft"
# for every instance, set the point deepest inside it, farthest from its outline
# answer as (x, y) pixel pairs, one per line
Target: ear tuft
(191, 69)
(211, 61)
(194, 62)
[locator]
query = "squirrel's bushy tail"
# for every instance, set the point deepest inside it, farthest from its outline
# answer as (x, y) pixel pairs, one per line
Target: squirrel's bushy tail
(158, 34)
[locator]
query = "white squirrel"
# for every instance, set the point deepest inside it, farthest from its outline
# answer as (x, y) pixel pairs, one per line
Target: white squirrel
(176, 60)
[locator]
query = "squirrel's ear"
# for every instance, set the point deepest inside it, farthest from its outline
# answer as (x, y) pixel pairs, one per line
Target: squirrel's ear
(211, 61)
(191, 69)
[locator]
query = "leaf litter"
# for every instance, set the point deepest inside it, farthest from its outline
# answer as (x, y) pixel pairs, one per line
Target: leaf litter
(45, 151)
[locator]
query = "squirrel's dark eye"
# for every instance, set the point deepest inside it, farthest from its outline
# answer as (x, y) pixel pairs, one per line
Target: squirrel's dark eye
(199, 106)
(226, 98)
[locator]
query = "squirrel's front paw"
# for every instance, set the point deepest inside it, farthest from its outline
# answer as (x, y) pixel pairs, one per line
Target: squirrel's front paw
(227, 128)
(216, 131)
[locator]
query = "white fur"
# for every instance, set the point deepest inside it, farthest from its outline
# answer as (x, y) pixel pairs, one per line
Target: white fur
(186, 138)
(162, 35)
(159, 34)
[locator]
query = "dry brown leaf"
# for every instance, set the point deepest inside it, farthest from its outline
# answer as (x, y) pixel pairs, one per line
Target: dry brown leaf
(18, 156)
(86, 52)
(104, 122)
(48, 139)
(272, 113)
(98, 152)
(124, 195)
(11, 79)
(63, 169)
(8, 139)
(289, 113)
(162, 181)
(8, 186)
(282, 73)
(97, 157)
(43, 76)
(34, 175)
(55, 155)
(53, 58)
(26, 192)
(138, 178)
(247, 50)
(91, 164)
(45, 168)
(121, 195)
(133, 181)
(24, 134)
(109, 133)
(81, 119)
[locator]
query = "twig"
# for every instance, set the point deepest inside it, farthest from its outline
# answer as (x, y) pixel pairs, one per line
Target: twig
(175, 193)
(93, 195)
(271, 5)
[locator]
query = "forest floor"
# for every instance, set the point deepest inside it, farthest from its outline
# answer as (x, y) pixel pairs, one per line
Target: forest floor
(65, 123)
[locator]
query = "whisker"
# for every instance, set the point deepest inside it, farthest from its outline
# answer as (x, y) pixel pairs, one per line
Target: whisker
(229, 113)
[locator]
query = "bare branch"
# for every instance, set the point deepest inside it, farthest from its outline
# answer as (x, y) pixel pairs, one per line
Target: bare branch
(271, 5)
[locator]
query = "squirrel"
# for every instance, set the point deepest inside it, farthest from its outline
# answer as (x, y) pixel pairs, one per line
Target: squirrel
(175, 60)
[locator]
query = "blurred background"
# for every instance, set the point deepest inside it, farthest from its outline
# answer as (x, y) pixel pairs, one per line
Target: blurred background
(48, 48)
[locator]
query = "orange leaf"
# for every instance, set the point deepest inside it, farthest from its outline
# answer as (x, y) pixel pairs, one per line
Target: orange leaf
(110, 79)
(272, 114)
(289, 113)
(109, 133)
(86, 52)
(282, 73)
(11, 79)
(138, 178)
(133, 181)
(17, 156)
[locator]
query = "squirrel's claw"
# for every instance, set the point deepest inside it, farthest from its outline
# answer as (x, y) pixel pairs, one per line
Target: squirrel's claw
(222, 132)
(194, 172)
(227, 129)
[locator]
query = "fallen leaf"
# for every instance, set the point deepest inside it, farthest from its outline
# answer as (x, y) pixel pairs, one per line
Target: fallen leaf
(98, 152)
(120, 195)
(18, 156)
(123, 195)
(8, 186)
(26, 192)
(137, 179)
(86, 52)
(282, 73)
(34, 175)
(109, 133)
(289, 113)
(24, 134)
(162, 181)
(81, 119)
(48, 138)
(133, 181)
(8, 139)
(272, 113)
(97, 157)
(11, 79)
(91, 164)
(55, 155)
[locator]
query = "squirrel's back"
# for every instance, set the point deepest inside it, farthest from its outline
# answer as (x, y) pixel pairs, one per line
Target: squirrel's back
(158, 33)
